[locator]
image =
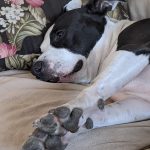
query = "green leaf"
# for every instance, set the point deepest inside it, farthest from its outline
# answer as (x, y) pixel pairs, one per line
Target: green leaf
(38, 14)
(20, 62)
(28, 26)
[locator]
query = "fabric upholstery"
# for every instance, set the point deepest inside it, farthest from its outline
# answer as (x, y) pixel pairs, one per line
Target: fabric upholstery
(24, 98)
(139, 9)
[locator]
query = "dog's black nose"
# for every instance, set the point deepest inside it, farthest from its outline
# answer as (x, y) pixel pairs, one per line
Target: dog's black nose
(37, 67)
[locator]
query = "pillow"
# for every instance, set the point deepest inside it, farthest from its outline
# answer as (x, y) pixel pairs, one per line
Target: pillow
(120, 12)
(23, 24)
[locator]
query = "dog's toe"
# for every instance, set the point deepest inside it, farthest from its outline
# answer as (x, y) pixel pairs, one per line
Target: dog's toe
(64, 118)
(35, 141)
(51, 129)
(54, 143)
(33, 144)
(72, 124)
(40, 140)
(47, 124)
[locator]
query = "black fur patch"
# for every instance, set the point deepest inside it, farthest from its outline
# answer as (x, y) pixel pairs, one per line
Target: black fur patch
(78, 31)
(136, 38)
(77, 67)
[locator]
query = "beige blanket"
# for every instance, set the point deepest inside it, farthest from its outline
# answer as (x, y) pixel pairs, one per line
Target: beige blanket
(24, 98)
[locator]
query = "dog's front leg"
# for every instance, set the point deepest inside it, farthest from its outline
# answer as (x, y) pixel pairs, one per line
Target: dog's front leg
(54, 128)
(118, 69)
(126, 110)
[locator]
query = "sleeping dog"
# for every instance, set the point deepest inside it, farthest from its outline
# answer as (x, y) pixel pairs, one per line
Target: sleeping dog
(84, 46)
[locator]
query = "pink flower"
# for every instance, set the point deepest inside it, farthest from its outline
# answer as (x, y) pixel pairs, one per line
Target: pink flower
(7, 50)
(17, 2)
(35, 3)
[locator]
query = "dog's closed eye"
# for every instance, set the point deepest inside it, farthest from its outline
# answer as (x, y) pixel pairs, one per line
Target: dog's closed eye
(59, 35)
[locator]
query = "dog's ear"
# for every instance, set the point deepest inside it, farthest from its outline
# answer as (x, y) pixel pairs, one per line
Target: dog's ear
(102, 6)
(73, 4)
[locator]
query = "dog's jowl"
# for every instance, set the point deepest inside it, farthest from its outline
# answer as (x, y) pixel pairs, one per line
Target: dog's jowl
(85, 46)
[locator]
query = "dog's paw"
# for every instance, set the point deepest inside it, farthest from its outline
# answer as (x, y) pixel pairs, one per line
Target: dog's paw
(59, 121)
(73, 4)
(55, 129)
(40, 140)
(66, 118)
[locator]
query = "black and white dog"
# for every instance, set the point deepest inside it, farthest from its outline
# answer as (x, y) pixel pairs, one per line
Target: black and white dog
(85, 46)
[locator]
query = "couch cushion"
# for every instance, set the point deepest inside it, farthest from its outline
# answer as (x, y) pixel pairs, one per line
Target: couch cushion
(139, 9)
(24, 98)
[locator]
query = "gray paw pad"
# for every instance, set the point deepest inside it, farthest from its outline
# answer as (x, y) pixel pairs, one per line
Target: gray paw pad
(41, 141)
(72, 124)
(54, 143)
(33, 144)
(89, 123)
(47, 124)
(101, 104)
(40, 135)
(50, 130)
(62, 112)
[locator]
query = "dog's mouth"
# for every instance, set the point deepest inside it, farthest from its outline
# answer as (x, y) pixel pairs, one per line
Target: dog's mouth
(59, 78)
(66, 78)
(69, 77)
(44, 74)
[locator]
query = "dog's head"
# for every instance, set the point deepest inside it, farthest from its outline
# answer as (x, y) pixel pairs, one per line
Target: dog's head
(68, 44)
